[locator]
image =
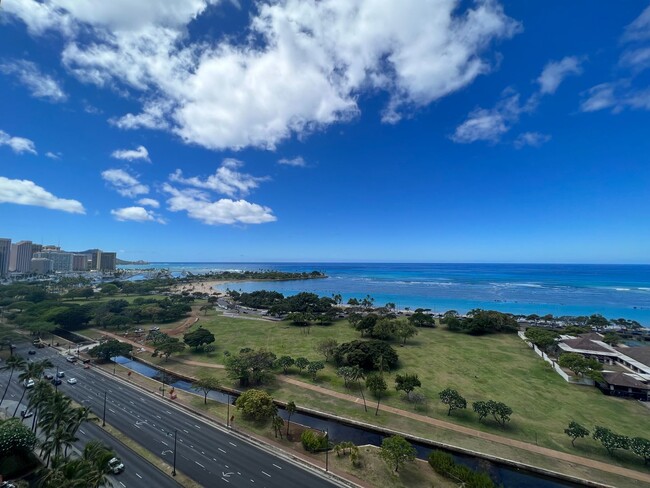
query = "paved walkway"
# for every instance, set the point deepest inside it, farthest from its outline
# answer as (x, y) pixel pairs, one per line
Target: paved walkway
(591, 463)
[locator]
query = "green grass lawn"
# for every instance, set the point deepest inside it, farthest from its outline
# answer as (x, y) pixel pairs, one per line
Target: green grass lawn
(498, 367)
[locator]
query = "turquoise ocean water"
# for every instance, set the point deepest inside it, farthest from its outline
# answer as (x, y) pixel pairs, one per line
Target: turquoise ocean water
(560, 289)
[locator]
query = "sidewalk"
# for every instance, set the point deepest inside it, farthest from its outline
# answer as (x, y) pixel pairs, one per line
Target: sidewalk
(591, 463)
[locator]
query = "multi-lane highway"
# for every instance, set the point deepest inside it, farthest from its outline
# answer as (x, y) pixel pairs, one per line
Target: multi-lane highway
(206, 453)
(138, 470)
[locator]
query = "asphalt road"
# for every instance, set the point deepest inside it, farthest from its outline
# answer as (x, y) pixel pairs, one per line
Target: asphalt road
(138, 470)
(209, 455)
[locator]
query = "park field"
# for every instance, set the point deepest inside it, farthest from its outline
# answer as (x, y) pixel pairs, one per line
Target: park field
(499, 367)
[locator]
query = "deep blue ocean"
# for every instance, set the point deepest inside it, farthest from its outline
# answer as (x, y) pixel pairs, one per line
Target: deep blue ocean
(560, 289)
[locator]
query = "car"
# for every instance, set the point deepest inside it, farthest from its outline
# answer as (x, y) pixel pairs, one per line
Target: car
(56, 381)
(31, 352)
(48, 376)
(85, 361)
(7, 484)
(40, 345)
(72, 381)
(26, 414)
(116, 466)
(28, 383)
(71, 359)
(60, 374)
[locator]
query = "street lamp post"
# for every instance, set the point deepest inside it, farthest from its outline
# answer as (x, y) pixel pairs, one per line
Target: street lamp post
(174, 469)
(163, 385)
(327, 451)
(56, 380)
(104, 417)
(228, 412)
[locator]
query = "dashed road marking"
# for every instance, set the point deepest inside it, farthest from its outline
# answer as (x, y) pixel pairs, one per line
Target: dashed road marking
(267, 474)
(138, 475)
(232, 444)
(221, 450)
(277, 466)
(199, 464)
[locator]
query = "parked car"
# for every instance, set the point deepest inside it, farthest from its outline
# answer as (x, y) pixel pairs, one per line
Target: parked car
(56, 381)
(48, 376)
(71, 359)
(85, 361)
(28, 383)
(60, 374)
(72, 381)
(116, 466)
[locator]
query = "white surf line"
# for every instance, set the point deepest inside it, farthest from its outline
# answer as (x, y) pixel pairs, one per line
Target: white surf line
(267, 474)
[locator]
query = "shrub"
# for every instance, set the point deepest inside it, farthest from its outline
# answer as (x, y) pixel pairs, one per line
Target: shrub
(313, 441)
(444, 464)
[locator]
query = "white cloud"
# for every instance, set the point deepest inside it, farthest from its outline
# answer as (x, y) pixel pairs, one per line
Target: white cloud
(616, 96)
(534, 139)
(131, 154)
(136, 214)
(53, 155)
(18, 145)
(199, 206)
(636, 59)
(38, 83)
(299, 162)
(226, 180)
(489, 124)
(125, 184)
(25, 192)
(556, 71)
(301, 68)
(639, 29)
(149, 202)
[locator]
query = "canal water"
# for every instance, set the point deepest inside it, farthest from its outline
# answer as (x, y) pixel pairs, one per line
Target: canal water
(504, 475)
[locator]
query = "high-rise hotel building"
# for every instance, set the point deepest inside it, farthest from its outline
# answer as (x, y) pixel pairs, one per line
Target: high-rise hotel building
(5, 253)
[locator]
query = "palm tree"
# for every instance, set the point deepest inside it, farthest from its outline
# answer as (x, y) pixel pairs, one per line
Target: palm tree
(357, 374)
(37, 398)
(30, 371)
(13, 363)
(89, 471)
(55, 417)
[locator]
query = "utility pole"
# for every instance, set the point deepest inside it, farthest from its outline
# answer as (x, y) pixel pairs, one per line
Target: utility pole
(104, 417)
(228, 412)
(174, 469)
(327, 452)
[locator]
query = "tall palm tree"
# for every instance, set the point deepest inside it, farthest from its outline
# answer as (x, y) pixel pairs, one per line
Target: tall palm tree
(30, 371)
(55, 416)
(89, 471)
(13, 363)
(37, 398)
(356, 375)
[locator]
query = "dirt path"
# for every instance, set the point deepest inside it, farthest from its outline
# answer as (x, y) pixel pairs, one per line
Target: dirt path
(610, 468)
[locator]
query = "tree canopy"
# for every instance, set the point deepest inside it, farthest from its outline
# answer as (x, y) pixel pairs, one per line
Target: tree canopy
(110, 348)
(198, 338)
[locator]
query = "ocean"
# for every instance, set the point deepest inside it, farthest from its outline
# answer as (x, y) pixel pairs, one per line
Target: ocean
(615, 291)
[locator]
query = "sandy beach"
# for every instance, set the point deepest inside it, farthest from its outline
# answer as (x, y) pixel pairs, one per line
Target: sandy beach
(199, 287)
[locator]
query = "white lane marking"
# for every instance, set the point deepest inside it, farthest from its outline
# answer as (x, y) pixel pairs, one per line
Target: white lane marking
(82, 432)
(138, 475)
(159, 417)
(221, 450)
(202, 452)
(122, 484)
(197, 426)
(267, 474)
(111, 410)
(168, 412)
(165, 443)
(185, 431)
(232, 444)
(199, 464)
(225, 479)
(277, 466)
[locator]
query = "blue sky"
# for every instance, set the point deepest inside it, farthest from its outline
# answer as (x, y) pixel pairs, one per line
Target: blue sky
(340, 130)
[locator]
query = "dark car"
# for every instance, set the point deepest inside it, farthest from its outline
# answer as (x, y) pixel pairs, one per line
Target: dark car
(26, 414)
(31, 351)
(56, 381)
(48, 376)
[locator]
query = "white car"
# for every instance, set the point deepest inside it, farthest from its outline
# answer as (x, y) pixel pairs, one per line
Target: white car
(28, 383)
(72, 381)
(116, 466)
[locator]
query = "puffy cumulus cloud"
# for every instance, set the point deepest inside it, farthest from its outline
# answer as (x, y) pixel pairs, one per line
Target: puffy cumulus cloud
(132, 154)
(149, 202)
(25, 192)
(39, 84)
(199, 206)
(556, 71)
(226, 180)
(534, 139)
(125, 184)
(299, 162)
(18, 145)
(136, 214)
(301, 67)
(489, 124)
